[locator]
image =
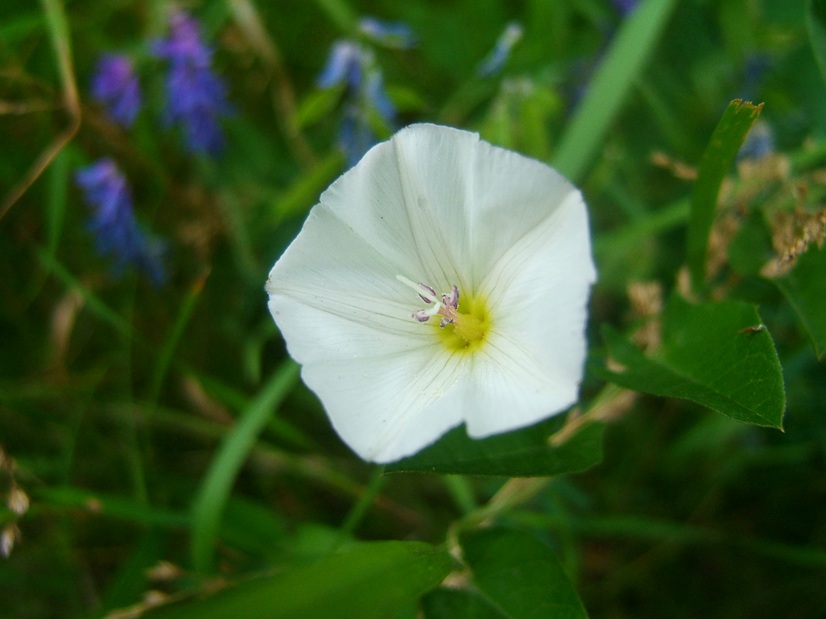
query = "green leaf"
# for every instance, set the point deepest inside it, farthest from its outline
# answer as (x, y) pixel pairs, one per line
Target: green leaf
(520, 575)
(751, 248)
(716, 354)
(365, 581)
(816, 24)
(630, 49)
(805, 288)
(523, 453)
(717, 160)
(458, 604)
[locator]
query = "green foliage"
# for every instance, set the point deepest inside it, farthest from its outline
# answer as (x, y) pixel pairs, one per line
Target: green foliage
(625, 60)
(458, 604)
(520, 575)
(522, 453)
(369, 580)
(805, 288)
(164, 442)
(719, 355)
(816, 25)
(209, 503)
(722, 148)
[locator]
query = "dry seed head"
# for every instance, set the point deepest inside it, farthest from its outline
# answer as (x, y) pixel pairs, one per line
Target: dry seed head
(17, 501)
(793, 234)
(8, 538)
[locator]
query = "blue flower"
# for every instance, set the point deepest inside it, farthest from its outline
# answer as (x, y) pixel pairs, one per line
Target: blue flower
(495, 61)
(344, 66)
(759, 142)
(396, 35)
(116, 87)
(366, 102)
(196, 97)
(117, 234)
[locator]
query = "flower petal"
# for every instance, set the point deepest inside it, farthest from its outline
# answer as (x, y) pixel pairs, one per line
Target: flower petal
(538, 292)
(389, 406)
(476, 199)
(330, 267)
(384, 392)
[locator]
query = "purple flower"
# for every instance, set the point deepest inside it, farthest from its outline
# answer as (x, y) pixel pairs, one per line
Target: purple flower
(117, 234)
(501, 51)
(353, 66)
(196, 97)
(116, 87)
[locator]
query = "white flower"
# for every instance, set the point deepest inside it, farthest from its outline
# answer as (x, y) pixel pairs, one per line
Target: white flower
(441, 280)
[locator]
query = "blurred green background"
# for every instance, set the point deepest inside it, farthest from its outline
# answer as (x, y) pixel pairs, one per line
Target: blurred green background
(115, 393)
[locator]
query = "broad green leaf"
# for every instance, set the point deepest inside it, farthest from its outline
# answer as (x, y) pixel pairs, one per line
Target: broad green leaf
(805, 288)
(523, 453)
(816, 24)
(716, 354)
(630, 49)
(365, 581)
(458, 604)
(520, 575)
(717, 160)
(751, 247)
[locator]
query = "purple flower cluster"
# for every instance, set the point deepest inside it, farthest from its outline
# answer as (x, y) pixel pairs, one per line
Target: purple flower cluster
(354, 66)
(196, 100)
(196, 97)
(117, 234)
(116, 87)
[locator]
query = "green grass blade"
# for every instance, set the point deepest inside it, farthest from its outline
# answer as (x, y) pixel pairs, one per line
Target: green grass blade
(92, 301)
(165, 357)
(717, 160)
(215, 490)
(607, 92)
(56, 199)
(340, 13)
(110, 506)
(816, 25)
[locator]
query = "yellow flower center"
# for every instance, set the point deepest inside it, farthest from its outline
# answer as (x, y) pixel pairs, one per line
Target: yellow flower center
(469, 328)
(459, 331)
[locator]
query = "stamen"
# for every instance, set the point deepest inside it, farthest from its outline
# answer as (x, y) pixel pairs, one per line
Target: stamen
(428, 288)
(467, 329)
(421, 315)
(452, 298)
